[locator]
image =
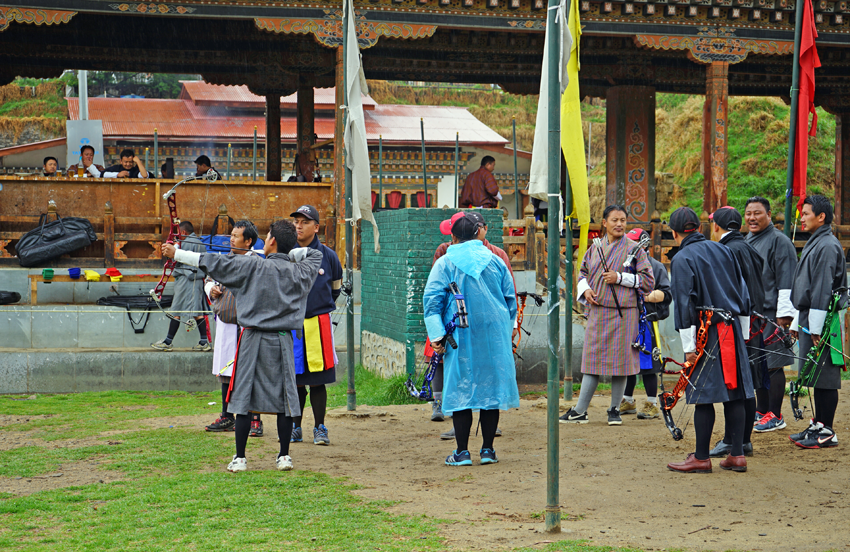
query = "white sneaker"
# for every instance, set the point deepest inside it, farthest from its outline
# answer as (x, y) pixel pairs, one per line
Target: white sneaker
(284, 463)
(237, 464)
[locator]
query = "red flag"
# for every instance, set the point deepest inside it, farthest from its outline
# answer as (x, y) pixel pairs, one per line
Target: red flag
(809, 60)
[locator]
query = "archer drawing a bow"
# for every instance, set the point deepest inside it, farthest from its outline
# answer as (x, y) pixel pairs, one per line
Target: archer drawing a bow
(810, 372)
(173, 237)
(460, 319)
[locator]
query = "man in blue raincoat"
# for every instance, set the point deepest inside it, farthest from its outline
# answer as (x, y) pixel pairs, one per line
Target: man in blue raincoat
(480, 374)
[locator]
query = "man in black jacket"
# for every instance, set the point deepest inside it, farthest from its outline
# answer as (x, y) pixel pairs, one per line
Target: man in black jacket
(726, 226)
(129, 167)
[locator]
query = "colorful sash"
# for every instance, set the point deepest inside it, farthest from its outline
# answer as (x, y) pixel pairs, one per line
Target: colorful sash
(315, 352)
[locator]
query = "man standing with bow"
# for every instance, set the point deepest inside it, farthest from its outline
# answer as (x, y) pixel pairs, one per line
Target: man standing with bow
(711, 308)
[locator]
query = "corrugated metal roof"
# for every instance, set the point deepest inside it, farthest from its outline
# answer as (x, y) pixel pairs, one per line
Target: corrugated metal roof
(183, 119)
(202, 93)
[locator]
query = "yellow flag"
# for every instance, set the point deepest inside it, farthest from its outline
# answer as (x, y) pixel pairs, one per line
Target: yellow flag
(572, 137)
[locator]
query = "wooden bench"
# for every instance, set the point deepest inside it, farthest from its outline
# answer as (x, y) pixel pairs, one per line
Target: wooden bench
(35, 279)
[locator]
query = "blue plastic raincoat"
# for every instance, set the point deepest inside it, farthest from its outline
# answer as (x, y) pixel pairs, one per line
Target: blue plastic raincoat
(480, 374)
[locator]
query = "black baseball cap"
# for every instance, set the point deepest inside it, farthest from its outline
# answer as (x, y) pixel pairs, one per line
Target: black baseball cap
(684, 220)
(307, 211)
(203, 160)
(727, 218)
(465, 228)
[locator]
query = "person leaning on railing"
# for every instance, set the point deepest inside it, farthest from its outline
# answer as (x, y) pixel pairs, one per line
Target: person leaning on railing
(129, 167)
(86, 167)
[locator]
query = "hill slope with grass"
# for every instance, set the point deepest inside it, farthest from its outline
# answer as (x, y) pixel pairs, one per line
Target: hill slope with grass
(758, 138)
(32, 110)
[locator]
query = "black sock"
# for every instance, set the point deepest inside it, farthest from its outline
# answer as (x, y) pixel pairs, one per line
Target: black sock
(224, 387)
(284, 429)
(172, 331)
(777, 391)
(631, 381)
(703, 425)
(733, 411)
(763, 398)
(243, 427)
(202, 328)
(319, 402)
(650, 383)
(826, 402)
(749, 414)
(302, 400)
(489, 423)
(462, 420)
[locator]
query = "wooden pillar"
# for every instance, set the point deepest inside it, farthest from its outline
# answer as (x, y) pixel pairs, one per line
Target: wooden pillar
(842, 168)
(714, 135)
(273, 137)
(630, 163)
(339, 156)
(305, 119)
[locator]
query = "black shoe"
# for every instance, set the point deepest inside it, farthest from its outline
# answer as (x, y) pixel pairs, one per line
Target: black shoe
(821, 437)
(256, 429)
(797, 437)
(222, 424)
(573, 417)
(614, 417)
(722, 450)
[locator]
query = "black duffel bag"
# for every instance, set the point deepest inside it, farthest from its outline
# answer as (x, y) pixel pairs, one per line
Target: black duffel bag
(9, 297)
(53, 239)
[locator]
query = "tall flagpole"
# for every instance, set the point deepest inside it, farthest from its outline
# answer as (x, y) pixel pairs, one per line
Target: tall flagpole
(351, 402)
(553, 508)
(792, 132)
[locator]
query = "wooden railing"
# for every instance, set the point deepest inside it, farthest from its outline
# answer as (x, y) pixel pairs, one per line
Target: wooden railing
(130, 217)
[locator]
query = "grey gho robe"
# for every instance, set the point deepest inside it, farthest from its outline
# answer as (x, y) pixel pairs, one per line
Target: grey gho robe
(271, 296)
(189, 298)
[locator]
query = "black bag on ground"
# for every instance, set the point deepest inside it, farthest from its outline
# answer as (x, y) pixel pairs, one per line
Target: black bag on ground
(53, 239)
(9, 297)
(136, 303)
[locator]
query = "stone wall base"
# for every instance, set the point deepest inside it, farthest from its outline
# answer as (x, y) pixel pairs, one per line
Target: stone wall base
(382, 355)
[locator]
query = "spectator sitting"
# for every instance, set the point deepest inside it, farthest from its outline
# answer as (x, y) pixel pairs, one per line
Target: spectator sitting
(87, 163)
(50, 165)
(130, 167)
(204, 165)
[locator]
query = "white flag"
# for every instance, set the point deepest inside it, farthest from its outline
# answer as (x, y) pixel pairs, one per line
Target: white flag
(538, 181)
(356, 146)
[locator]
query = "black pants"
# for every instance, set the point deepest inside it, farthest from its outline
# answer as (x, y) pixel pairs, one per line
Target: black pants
(462, 420)
(704, 415)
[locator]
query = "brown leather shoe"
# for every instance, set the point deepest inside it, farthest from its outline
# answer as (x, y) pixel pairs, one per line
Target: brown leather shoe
(734, 463)
(692, 465)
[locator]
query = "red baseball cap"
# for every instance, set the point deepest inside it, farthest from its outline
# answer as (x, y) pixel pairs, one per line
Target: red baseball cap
(446, 225)
(635, 234)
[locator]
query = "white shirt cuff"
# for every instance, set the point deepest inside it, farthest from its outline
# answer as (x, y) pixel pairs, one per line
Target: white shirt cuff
(816, 319)
(107, 174)
(190, 258)
(499, 196)
(745, 326)
(795, 324)
(629, 280)
(208, 287)
(581, 287)
(93, 171)
(688, 336)
(298, 254)
(784, 307)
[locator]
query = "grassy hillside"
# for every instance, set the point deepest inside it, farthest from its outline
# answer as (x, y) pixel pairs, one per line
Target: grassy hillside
(32, 110)
(758, 139)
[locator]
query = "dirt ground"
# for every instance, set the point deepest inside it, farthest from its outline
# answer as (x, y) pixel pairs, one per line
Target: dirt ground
(614, 485)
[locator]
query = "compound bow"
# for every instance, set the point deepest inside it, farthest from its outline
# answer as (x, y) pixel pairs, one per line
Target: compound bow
(174, 237)
(669, 399)
(809, 374)
(522, 296)
(460, 320)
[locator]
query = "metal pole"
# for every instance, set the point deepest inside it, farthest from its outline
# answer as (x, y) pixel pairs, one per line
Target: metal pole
(424, 173)
(380, 171)
(792, 131)
(516, 175)
(155, 150)
(457, 160)
(83, 93)
(351, 402)
(589, 141)
(147, 153)
(229, 151)
(255, 152)
(553, 508)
